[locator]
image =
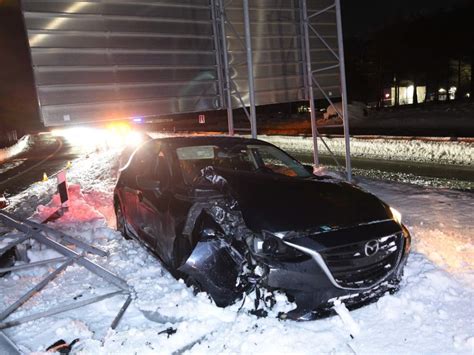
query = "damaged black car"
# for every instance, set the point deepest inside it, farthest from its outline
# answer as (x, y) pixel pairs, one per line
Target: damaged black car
(232, 215)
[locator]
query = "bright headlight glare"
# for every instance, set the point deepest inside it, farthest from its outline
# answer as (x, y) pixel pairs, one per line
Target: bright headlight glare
(134, 139)
(115, 135)
(397, 216)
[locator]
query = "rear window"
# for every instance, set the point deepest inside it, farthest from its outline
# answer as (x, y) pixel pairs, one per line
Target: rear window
(196, 153)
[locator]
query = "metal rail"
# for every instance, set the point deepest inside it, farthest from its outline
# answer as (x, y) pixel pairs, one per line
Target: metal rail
(312, 79)
(248, 49)
(59, 309)
(38, 287)
(62, 236)
(225, 60)
(7, 346)
(32, 265)
(342, 69)
(309, 82)
(229, 85)
(44, 235)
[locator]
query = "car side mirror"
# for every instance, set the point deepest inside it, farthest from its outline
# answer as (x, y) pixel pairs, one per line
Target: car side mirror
(146, 183)
(309, 168)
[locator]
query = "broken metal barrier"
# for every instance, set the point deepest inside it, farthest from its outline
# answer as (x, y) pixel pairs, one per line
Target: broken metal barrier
(54, 239)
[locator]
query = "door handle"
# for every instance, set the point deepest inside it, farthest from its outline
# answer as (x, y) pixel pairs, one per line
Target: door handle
(140, 196)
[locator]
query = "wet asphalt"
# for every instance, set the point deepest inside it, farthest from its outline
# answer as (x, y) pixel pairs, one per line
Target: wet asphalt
(47, 154)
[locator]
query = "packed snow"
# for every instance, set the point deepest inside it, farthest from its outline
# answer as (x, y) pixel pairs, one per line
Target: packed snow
(443, 151)
(7, 153)
(432, 313)
(437, 151)
(11, 165)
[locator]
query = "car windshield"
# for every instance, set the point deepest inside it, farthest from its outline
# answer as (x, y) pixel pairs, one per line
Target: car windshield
(259, 159)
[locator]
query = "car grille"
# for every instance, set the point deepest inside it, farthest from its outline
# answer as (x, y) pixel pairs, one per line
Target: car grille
(351, 267)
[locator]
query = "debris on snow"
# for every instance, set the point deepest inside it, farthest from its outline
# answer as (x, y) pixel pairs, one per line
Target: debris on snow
(168, 331)
(346, 318)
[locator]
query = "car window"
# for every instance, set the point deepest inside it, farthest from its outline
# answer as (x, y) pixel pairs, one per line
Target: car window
(162, 171)
(144, 159)
(250, 158)
(276, 161)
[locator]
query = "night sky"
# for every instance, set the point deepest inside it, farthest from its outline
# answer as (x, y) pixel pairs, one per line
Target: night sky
(364, 17)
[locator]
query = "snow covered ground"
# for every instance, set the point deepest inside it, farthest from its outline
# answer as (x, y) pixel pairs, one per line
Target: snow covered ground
(432, 313)
(436, 151)
(441, 151)
(23, 144)
(11, 165)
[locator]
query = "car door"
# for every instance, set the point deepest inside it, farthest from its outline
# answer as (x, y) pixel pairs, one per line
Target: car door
(139, 162)
(154, 209)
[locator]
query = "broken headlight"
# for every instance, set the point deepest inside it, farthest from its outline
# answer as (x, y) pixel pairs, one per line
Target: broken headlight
(271, 244)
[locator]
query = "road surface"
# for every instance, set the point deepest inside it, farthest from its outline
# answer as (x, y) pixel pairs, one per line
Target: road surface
(48, 154)
(434, 175)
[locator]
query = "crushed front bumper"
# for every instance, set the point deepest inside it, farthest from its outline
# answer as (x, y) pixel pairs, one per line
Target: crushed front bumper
(311, 285)
(308, 286)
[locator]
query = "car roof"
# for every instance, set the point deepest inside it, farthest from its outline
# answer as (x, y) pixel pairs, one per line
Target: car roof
(206, 140)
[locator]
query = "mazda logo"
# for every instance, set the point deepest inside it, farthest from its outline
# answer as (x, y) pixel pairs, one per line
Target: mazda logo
(371, 247)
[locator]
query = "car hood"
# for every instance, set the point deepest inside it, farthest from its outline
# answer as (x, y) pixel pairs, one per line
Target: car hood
(278, 203)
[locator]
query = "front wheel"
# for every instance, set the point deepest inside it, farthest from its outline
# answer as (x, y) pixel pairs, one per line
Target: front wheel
(120, 219)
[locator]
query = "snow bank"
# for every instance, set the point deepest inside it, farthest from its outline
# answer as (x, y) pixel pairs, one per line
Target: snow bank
(416, 150)
(432, 312)
(10, 165)
(19, 147)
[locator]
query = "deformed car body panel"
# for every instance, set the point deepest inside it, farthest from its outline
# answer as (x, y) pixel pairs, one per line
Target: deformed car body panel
(215, 266)
(311, 282)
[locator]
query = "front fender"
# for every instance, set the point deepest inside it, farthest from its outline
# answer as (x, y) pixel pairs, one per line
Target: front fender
(215, 265)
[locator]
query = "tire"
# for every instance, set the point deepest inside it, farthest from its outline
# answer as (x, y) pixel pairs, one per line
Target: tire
(194, 285)
(120, 221)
